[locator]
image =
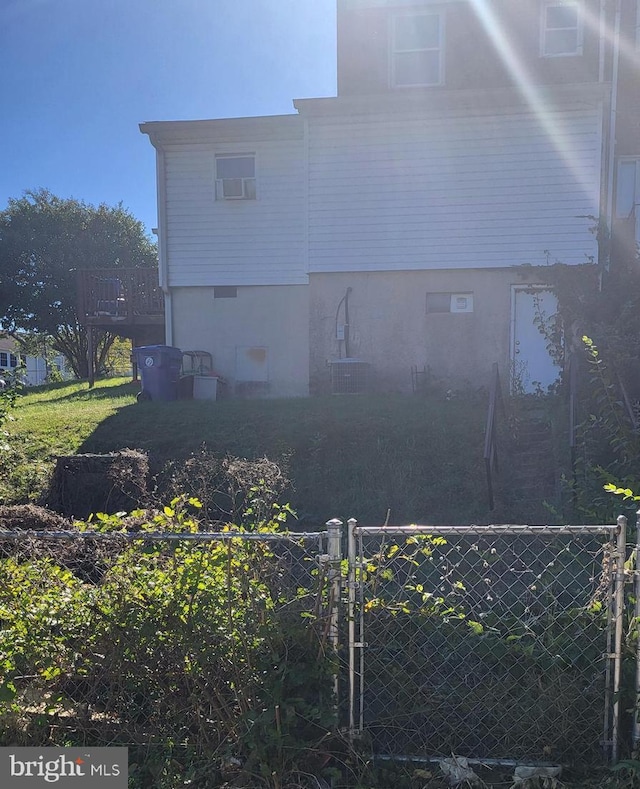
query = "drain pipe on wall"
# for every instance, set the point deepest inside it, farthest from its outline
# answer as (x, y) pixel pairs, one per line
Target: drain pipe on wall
(163, 274)
(602, 33)
(613, 109)
(345, 326)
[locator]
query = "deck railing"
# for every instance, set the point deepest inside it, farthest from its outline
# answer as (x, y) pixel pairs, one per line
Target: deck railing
(119, 295)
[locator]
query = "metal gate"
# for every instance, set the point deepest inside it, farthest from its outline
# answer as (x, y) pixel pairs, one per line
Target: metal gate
(499, 643)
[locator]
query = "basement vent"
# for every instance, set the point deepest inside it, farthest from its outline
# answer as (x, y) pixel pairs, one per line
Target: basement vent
(350, 376)
(225, 292)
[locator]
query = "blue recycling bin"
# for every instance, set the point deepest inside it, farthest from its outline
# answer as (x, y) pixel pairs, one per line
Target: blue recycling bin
(159, 367)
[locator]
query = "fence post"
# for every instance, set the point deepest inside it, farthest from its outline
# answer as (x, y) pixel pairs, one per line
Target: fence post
(621, 555)
(636, 711)
(334, 529)
(352, 581)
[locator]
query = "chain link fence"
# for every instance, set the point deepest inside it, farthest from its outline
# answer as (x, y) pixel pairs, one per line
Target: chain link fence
(177, 645)
(491, 643)
(499, 644)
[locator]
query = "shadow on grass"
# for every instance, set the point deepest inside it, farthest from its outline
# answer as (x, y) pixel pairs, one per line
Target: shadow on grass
(166, 430)
(418, 459)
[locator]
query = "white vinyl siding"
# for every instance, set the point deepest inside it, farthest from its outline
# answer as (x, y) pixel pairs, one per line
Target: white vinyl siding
(212, 241)
(452, 190)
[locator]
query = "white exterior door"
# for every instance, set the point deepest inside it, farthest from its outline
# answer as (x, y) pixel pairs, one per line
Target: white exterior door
(533, 370)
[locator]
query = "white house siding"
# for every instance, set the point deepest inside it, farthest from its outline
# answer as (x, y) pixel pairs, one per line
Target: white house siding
(451, 189)
(35, 371)
(390, 329)
(267, 323)
(236, 242)
(32, 370)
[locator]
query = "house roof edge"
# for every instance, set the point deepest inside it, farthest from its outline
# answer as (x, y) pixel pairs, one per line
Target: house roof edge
(424, 99)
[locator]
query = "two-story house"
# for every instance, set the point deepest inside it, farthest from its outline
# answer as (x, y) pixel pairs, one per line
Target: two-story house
(407, 222)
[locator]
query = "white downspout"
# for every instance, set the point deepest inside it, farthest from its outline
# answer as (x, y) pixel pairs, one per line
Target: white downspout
(602, 33)
(163, 273)
(612, 123)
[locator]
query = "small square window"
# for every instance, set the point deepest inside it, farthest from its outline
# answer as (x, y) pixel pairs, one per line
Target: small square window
(4, 359)
(561, 29)
(236, 177)
(449, 302)
(438, 302)
(13, 360)
(225, 292)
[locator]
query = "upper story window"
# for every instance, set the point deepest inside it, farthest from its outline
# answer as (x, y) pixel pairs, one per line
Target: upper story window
(561, 29)
(417, 49)
(236, 177)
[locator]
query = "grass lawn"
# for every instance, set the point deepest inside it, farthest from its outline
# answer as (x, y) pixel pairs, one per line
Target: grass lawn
(420, 458)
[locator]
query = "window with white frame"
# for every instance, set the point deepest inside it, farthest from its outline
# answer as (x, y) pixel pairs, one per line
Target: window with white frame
(8, 359)
(236, 177)
(417, 49)
(449, 302)
(561, 29)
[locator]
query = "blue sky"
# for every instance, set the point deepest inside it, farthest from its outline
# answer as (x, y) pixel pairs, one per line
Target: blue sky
(78, 76)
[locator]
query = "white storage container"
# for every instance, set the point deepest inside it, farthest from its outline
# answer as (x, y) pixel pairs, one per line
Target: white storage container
(205, 387)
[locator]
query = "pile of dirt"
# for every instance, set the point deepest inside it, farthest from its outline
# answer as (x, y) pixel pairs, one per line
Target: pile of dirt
(21, 517)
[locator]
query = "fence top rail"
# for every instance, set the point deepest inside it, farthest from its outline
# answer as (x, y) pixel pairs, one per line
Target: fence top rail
(475, 530)
(224, 536)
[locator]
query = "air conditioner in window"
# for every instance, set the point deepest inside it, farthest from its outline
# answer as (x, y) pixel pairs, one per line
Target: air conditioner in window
(236, 188)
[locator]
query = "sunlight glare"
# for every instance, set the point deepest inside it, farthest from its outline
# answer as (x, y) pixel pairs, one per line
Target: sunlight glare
(534, 96)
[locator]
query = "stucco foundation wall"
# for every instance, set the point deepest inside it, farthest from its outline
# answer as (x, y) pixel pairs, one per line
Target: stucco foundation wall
(233, 330)
(389, 326)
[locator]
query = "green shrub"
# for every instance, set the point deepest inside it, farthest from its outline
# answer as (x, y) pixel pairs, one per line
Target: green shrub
(195, 654)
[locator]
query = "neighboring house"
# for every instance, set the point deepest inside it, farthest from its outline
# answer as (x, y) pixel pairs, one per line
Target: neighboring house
(10, 359)
(407, 222)
(32, 370)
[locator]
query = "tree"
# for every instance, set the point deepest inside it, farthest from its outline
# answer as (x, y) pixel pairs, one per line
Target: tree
(44, 239)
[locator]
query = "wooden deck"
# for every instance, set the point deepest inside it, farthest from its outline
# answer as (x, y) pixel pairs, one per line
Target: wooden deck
(120, 299)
